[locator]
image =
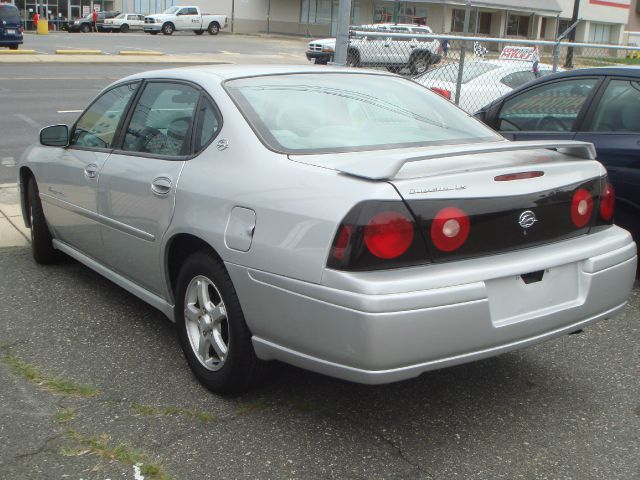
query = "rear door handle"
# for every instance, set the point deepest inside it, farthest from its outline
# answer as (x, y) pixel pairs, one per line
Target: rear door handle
(91, 171)
(161, 186)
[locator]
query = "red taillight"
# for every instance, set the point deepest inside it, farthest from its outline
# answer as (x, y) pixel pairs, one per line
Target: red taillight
(450, 229)
(388, 235)
(607, 202)
(442, 91)
(581, 207)
(339, 248)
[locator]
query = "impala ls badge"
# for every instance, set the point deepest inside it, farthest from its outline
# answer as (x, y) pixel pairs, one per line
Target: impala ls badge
(223, 144)
(527, 219)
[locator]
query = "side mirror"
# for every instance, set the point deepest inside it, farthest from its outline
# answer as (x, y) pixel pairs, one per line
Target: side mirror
(55, 136)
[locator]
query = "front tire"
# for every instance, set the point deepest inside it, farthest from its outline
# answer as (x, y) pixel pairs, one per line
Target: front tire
(213, 334)
(168, 29)
(214, 28)
(13, 47)
(198, 32)
(353, 58)
(420, 64)
(85, 28)
(124, 28)
(41, 239)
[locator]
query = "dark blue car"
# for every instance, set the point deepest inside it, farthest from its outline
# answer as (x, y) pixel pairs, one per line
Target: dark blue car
(598, 105)
(10, 26)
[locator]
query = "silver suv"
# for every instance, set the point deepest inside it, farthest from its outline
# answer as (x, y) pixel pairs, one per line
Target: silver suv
(394, 53)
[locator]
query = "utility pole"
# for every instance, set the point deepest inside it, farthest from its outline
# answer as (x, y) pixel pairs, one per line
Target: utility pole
(342, 34)
(396, 11)
(572, 35)
(463, 52)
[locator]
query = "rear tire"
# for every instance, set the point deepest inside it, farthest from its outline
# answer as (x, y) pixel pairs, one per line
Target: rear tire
(85, 28)
(199, 32)
(41, 244)
(353, 58)
(209, 320)
(168, 29)
(13, 47)
(214, 28)
(124, 28)
(419, 64)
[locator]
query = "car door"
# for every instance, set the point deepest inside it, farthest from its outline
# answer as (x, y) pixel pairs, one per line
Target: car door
(137, 186)
(69, 186)
(613, 126)
(137, 21)
(546, 111)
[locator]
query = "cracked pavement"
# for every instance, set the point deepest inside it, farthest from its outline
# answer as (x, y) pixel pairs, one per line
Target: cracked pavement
(568, 409)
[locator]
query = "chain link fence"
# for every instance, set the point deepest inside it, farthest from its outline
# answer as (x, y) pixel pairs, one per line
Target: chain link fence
(473, 71)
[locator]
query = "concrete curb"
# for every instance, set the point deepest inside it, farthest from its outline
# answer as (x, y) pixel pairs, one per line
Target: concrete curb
(13, 233)
(17, 52)
(78, 52)
(140, 52)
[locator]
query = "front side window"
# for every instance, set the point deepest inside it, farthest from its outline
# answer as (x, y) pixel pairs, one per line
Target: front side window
(97, 127)
(552, 107)
(618, 109)
(161, 119)
(333, 112)
(516, 79)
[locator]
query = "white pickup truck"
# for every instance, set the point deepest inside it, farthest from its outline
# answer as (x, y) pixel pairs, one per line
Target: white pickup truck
(180, 18)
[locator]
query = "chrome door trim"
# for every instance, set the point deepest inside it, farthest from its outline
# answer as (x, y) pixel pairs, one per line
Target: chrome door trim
(109, 222)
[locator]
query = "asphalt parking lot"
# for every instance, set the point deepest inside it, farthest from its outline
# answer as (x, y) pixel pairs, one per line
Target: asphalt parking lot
(111, 389)
(93, 384)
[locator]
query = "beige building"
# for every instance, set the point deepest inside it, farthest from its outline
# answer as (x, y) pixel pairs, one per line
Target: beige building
(633, 25)
(602, 21)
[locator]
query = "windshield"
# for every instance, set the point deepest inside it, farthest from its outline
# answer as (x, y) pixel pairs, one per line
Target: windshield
(122, 15)
(171, 10)
(449, 73)
(333, 112)
(9, 14)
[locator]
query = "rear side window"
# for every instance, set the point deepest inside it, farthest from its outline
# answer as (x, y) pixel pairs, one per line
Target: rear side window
(619, 108)
(208, 124)
(9, 13)
(552, 107)
(161, 120)
(97, 126)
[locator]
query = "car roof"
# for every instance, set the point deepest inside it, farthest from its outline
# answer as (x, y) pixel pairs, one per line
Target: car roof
(227, 71)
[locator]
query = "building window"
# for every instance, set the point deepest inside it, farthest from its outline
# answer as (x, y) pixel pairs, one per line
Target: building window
(600, 33)
(479, 22)
(315, 11)
(407, 13)
(563, 25)
(518, 25)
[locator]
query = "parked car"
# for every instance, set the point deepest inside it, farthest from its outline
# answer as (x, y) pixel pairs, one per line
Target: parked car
(352, 223)
(10, 26)
(187, 18)
(124, 22)
(394, 53)
(85, 24)
(597, 105)
(482, 80)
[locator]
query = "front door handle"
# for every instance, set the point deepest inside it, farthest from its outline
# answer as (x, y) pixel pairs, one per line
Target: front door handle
(161, 186)
(91, 171)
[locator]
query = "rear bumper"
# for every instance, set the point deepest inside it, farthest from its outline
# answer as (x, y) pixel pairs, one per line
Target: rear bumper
(381, 327)
(10, 42)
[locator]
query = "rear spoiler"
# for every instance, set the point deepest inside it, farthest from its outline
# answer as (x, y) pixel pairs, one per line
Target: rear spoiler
(377, 166)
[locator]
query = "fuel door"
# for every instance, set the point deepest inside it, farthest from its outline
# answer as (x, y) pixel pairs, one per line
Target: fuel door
(240, 227)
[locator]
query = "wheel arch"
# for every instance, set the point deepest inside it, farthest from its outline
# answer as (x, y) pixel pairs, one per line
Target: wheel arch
(177, 249)
(24, 175)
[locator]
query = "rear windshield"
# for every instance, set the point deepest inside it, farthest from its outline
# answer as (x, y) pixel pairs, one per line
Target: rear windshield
(9, 14)
(449, 73)
(337, 112)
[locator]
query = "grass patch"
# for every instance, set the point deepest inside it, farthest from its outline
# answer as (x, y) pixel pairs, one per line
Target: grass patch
(301, 405)
(51, 383)
(148, 411)
(100, 446)
(250, 407)
(66, 415)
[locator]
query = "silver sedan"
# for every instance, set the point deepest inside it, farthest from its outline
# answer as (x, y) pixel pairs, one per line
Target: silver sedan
(348, 222)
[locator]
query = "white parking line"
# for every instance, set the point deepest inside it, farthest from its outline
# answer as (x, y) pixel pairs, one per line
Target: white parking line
(28, 120)
(8, 162)
(69, 111)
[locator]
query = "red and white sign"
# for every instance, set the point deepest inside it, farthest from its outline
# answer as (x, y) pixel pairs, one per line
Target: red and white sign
(612, 3)
(527, 54)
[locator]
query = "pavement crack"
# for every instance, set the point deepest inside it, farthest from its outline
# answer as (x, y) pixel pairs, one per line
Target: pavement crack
(40, 449)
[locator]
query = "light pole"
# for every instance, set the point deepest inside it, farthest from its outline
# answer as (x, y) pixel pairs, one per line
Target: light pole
(572, 35)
